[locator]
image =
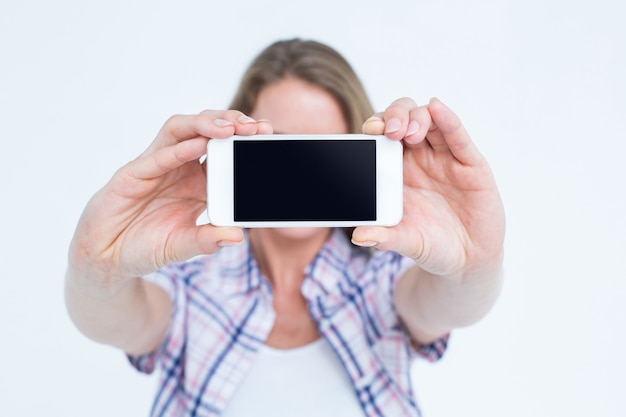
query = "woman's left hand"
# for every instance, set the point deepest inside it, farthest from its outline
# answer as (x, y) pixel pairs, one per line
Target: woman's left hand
(453, 220)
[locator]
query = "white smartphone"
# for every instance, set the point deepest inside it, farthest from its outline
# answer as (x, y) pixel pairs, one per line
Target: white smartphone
(304, 181)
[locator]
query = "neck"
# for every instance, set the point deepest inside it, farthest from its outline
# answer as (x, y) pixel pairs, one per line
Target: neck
(283, 255)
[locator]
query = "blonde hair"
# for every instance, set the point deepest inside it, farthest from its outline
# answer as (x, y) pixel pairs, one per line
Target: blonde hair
(309, 61)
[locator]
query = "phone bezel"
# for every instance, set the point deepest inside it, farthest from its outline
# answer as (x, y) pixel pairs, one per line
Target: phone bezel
(220, 184)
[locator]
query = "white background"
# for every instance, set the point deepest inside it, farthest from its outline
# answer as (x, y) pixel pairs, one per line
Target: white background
(85, 85)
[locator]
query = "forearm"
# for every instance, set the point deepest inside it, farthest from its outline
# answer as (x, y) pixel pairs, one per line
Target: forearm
(431, 306)
(130, 314)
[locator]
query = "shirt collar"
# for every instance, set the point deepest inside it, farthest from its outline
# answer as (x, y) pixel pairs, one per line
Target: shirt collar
(233, 270)
(240, 273)
(328, 267)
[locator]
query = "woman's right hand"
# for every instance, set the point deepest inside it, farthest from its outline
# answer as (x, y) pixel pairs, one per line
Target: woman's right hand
(145, 216)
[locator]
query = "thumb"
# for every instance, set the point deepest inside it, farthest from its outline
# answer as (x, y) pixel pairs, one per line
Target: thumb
(388, 238)
(375, 125)
(199, 240)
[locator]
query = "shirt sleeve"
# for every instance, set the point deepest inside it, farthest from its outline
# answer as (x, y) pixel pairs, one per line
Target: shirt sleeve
(433, 351)
(171, 279)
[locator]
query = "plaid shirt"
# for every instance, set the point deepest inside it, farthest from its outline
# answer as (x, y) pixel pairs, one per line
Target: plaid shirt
(223, 313)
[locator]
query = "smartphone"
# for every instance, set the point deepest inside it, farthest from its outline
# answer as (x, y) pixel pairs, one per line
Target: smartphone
(285, 180)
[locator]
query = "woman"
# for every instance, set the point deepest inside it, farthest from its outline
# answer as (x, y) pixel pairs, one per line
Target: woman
(288, 321)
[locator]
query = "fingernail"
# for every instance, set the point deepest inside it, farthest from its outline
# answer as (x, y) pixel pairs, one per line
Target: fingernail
(393, 125)
(366, 244)
(373, 124)
(228, 243)
(222, 123)
(245, 119)
(434, 100)
(412, 128)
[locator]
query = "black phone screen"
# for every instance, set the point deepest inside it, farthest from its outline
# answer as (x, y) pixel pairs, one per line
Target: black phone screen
(304, 180)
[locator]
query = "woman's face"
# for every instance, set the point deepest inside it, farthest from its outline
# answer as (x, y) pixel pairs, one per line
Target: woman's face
(297, 107)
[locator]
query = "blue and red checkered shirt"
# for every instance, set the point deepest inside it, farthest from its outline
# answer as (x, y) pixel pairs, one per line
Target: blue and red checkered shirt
(223, 313)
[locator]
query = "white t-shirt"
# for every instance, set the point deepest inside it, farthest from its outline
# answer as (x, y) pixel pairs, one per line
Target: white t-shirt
(302, 382)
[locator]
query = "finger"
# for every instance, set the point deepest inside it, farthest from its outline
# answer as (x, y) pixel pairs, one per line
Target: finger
(374, 125)
(243, 124)
(158, 163)
(419, 124)
(448, 132)
(209, 124)
(205, 239)
(264, 127)
(397, 119)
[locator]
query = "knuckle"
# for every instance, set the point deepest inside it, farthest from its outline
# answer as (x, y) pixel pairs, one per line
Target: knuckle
(172, 121)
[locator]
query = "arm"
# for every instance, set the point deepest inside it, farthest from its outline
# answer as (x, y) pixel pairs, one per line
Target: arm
(430, 305)
(132, 314)
(142, 219)
(453, 224)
